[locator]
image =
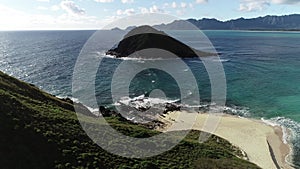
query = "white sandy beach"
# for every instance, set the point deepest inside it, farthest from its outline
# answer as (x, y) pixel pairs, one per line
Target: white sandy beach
(251, 136)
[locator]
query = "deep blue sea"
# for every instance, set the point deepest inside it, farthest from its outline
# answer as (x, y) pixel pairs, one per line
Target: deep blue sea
(262, 70)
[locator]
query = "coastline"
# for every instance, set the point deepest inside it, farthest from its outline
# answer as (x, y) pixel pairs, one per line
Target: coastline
(263, 143)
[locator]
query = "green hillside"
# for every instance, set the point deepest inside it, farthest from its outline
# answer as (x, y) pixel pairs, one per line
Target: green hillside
(40, 131)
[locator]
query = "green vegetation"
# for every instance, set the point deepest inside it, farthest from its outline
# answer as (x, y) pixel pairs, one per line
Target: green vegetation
(40, 131)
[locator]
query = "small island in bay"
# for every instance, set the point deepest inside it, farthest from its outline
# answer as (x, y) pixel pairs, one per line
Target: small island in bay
(146, 37)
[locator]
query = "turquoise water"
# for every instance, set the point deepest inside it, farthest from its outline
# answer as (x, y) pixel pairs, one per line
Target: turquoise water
(262, 70)
(264, 75)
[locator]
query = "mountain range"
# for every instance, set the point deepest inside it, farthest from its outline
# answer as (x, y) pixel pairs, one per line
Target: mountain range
(286, 22)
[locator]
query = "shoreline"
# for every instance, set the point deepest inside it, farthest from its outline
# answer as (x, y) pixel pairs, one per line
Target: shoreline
(285, 136)
(279, 148)
(262, 142)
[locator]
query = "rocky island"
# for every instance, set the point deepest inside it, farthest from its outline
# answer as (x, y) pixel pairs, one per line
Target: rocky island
(146, 37)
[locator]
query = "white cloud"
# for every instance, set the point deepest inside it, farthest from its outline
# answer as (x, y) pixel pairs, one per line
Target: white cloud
(183, 5)
(253, 5)
(71, 8)
(258, 5)
(13, 19)
(286, 1)
(19, 20)
(144, 10)
(178, 5)
(128, 12)
(16, 18)
(119, 12)
(43, 8)
(174, 5)
(43, 0)
(191, 5)
(52, 8)
(104, 1)
(152, 9)
(155, 9)
(201, 1)
(55, 8)
(127, 1)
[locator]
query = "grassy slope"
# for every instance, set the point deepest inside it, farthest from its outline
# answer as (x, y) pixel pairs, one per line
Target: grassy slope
(41, 131)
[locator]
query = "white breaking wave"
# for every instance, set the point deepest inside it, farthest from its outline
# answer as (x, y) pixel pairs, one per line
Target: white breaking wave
(273, 123)
(95, 111)
(224, 60)
(147, 102)
(143, 102)
(138, 59)
(290, 129)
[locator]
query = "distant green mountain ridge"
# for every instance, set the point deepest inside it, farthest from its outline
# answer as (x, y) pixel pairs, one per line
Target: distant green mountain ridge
(269, 22)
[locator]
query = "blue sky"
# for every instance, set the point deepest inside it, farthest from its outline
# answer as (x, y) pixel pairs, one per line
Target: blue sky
(94, 14)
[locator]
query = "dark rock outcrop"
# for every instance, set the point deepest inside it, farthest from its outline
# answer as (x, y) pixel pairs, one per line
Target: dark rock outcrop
(170, 107)
(111, 113)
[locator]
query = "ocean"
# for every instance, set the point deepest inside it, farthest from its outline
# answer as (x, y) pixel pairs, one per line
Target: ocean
(262, 71)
